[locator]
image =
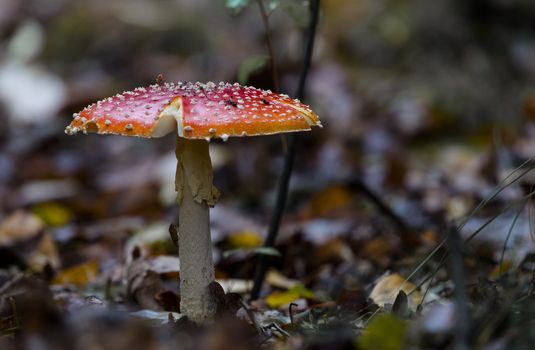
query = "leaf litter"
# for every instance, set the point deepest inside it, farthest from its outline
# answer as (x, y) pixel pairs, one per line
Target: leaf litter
(86, 260)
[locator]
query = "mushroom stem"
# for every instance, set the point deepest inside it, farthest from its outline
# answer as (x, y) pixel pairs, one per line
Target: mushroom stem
(195, 194)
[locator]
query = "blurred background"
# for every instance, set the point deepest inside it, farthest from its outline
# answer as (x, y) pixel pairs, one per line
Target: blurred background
(428, 103)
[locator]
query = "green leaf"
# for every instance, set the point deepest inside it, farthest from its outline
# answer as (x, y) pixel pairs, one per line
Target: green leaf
(267, 251)
(52, 213)
(260, 250)
(236, 6)
(385, 332)
(251, 65)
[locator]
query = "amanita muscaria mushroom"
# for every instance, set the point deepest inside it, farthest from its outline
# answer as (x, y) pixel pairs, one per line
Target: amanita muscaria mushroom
(198, 112)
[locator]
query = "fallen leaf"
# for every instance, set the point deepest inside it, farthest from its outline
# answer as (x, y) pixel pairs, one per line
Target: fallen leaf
(45, 253)
(236, 285)
(52, 213)
(227, 304)
(327, 201)
(387, 288)
(19, 226)
(78, 275)
(385, 332)
(278, 280)
(145, 284)
(145, 238)
(378, 250)
(279, 299)
(336, 249)
(244, 239)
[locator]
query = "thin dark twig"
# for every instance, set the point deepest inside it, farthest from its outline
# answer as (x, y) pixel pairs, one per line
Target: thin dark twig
(290, 312)
(467, 240)
(251, 316)
(509, 232)
(282, 189)
(360, 186)
(462, 323)
(505, 183)
(269, 44)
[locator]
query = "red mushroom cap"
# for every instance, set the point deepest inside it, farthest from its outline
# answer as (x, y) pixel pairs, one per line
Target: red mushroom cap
(196, 111)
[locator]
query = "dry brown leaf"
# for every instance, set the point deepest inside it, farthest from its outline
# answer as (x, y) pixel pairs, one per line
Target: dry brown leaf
(326, 201)
(378, 249)
(278, 280)
(144, 282)
(388, 287)
(236, 285)
(45, 253)
(336, 249)
(19, 226)
(78, 275)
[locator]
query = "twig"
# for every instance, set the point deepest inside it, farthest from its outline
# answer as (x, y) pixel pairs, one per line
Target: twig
(282, 189)
(504, 183)
(360, 186)
(509, 232)
(290, 312)
(251, 316)
(466, 240)
(276, 327)
(269, 44)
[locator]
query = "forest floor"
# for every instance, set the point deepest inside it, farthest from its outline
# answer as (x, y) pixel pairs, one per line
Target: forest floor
(439, 124)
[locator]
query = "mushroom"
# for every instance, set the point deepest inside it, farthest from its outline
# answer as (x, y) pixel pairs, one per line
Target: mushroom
(198, 112)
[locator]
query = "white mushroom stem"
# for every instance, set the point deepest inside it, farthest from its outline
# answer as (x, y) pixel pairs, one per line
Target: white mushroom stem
(195, 195)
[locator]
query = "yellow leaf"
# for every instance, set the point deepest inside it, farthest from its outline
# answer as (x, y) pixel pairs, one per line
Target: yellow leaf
(501, 269)
(244, 239)
(53, 214)
(385, 332)
(387, 289)
(78, 275)
(278, 299)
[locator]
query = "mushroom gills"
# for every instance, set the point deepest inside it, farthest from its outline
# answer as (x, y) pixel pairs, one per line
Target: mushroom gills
(169, 119)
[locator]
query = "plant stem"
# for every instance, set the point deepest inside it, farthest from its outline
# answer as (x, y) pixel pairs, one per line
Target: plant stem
(269, 44)
(282, 188)
(194, 242)
(462, 315)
